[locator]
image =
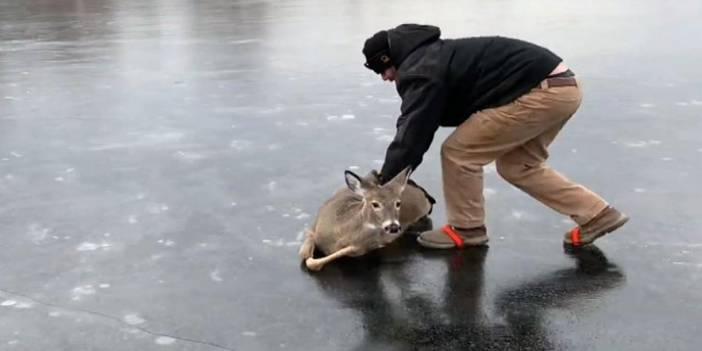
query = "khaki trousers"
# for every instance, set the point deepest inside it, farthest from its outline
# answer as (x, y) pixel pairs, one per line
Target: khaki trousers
(516, 136)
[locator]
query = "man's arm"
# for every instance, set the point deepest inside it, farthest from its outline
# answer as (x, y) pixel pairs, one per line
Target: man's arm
(423, 101)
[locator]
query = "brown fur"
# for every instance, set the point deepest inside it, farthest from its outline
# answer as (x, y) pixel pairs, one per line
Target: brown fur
(348, 225)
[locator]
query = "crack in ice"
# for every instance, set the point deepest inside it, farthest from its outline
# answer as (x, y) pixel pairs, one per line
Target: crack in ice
(163, 337)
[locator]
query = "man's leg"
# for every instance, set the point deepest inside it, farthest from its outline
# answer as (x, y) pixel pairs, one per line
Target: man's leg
(483, 138)
(525, 167)
(525, 127)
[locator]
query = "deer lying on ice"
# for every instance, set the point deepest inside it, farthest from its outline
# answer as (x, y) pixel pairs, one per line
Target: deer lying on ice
(364, 216)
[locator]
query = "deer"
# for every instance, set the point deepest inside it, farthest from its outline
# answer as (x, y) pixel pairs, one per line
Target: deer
(364, 216)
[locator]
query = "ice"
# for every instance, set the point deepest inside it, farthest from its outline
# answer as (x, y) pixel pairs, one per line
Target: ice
(204, 136)
(133, 319)
(88, 246)
(165, 340)
(488, 192)
(214, 275)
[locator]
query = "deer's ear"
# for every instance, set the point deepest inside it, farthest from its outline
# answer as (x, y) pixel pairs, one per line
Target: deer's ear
(401, 179)
(354, 182)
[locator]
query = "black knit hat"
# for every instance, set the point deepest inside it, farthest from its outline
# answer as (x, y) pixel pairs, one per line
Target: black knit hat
(377, 52)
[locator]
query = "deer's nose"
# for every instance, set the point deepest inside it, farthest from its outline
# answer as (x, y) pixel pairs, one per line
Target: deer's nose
(393, 228)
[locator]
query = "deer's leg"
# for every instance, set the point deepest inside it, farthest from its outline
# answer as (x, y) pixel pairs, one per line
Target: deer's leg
(316, 264)
(307, 248)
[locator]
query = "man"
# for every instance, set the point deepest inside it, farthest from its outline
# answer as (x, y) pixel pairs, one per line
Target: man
(508, 99)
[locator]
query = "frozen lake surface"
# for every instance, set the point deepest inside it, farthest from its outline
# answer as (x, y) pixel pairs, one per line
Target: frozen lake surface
(159, 161)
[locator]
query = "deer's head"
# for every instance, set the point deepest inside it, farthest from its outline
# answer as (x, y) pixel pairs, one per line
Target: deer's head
(381, 203)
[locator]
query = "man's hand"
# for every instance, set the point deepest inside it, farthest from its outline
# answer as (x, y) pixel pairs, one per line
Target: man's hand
(377, 175)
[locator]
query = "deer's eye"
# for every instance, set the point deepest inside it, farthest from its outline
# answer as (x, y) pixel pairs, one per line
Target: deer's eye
(375, 204)
(397, 204)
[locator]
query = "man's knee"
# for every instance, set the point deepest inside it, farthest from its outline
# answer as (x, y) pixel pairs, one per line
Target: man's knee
(511, 171)
(448, 149)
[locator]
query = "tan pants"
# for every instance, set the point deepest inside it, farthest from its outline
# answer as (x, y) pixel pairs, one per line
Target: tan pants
(516, 136)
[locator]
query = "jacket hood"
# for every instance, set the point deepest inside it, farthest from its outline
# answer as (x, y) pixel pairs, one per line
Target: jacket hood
(405, 38)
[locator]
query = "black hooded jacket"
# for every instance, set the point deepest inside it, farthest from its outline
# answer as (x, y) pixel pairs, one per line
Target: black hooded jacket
(443, 82)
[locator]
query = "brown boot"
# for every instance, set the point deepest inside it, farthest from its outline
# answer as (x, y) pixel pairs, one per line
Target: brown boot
(606, 221)
(449, 237)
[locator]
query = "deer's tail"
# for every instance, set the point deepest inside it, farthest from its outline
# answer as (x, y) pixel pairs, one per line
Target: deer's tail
(307, 248)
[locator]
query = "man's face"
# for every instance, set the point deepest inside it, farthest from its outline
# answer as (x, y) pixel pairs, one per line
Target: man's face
(389, 74)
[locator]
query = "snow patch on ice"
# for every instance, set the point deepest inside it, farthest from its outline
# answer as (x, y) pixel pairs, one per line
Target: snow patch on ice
(214, 275)
(157, 208)
(168, 243)
(164, 340)
(189, 156)
(8, 303)
(37, 233)
(245, 41)
(642, 143)
(133, 319)
(151, 139)
(690, 264)
(80, 291)
(277, 243)
(240, 144)
(24, 305)
(88, 246)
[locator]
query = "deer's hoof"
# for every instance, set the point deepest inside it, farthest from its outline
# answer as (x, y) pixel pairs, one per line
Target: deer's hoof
(313, 265)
